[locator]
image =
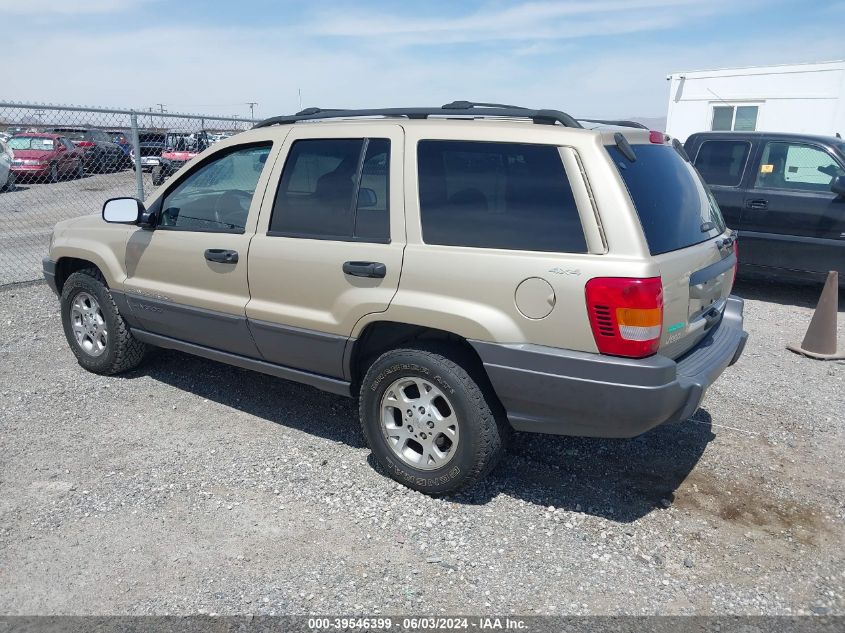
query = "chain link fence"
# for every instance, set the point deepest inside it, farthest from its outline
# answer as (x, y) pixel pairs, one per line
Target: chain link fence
(60, 162)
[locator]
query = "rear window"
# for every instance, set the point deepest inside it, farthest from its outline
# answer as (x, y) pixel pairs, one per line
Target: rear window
(675, 208)
(497, 195)
(32, 142)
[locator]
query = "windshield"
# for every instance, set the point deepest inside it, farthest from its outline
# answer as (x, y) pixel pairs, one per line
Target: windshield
(675, 207)
(32, 142)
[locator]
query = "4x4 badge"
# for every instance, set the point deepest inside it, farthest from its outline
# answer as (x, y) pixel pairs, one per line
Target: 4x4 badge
(568, 271)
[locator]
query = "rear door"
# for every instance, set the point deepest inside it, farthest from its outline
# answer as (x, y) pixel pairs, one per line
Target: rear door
(791, 219)
(329, 246)
(723, 162)
(684, 229)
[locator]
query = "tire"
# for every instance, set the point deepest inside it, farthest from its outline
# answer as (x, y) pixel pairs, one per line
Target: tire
(54, 173)
(157, 175)
(114, 352)
(476, 443)
(79, 172)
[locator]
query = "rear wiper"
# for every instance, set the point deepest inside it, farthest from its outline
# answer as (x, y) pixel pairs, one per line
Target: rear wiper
(624, 147)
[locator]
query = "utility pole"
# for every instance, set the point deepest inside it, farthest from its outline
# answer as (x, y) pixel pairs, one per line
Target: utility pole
(161, 107)
(251, 105)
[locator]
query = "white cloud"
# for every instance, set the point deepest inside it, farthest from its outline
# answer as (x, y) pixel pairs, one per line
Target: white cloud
(65, 7)
(525, 21)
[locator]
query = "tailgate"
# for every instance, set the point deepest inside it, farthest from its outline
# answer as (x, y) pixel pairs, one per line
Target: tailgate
(696, 284)
(686, 237)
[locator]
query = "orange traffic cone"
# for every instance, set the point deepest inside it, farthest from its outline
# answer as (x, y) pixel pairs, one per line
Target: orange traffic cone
(820, 340)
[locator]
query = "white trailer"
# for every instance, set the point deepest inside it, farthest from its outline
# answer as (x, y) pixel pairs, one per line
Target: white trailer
(802, 98)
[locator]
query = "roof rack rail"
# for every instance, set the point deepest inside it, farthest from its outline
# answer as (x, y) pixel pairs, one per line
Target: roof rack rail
(618, 122)
(459, 108)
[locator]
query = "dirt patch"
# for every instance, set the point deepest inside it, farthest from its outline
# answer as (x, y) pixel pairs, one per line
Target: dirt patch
(748, 505)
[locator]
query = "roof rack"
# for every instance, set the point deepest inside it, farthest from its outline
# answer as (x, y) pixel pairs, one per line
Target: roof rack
(617, 122)
(459, 108)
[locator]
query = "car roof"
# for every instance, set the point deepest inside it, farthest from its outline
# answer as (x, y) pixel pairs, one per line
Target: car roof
(38, 135)
(780, 136)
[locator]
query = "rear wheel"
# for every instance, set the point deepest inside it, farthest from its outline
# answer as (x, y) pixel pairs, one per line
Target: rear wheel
(79, 172)
(429, 422)
(54, 173)
(95, 331)
(10, 182)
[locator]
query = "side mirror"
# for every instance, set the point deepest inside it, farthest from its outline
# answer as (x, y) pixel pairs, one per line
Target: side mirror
(837, 185)
(366, 198)
(123, 210)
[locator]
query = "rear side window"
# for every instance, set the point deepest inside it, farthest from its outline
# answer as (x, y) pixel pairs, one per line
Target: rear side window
(334, 189)
(497, 195)
(722, 162)
(675, 208)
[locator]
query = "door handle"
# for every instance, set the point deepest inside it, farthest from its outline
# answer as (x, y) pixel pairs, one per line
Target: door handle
(221, 255)
(757, 204)
(365, 269)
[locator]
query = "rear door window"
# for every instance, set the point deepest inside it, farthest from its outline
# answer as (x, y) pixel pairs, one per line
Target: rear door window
(722, 162)
(497, 195)
(675, 208)
(334, 189)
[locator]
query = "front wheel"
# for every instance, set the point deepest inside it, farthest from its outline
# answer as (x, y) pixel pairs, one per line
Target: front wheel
(430, 424)
(95, 331)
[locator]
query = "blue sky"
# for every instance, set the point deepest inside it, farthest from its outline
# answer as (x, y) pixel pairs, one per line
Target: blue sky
(604, 58)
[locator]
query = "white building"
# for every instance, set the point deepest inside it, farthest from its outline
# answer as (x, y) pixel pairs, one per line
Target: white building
(805, 98)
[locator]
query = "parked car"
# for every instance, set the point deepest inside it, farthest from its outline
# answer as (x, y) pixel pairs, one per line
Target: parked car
(45, 157)
(152, 145)
(460, 278)
(123, 139)
(7, 176)
(101, 154)
(179, 148)
(784, 194)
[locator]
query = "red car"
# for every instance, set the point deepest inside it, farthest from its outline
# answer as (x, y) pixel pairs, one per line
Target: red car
(45, 157)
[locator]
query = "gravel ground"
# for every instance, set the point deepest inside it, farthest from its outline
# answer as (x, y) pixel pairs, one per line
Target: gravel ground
(29, 212)
(193, 487)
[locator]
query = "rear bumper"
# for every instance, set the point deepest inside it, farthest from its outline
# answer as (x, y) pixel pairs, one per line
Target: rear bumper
(49, 267)
(549, 390)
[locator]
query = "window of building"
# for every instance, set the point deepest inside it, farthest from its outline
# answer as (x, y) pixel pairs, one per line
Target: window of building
(497, 195)
(734, 118)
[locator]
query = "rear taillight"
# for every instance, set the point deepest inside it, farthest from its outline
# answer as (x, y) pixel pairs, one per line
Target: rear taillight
(656, 137)
(626, 315)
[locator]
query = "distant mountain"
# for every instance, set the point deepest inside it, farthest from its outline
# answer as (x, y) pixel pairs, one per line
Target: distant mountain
(652, 123)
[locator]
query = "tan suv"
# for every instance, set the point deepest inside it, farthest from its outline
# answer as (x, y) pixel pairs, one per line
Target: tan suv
(460, 270)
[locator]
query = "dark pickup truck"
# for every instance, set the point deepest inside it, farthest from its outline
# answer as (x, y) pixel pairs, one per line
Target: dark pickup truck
(784, 194)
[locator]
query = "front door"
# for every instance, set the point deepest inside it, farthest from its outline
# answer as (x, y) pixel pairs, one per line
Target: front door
(791, 219)
(187, 278)
(328, 249)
